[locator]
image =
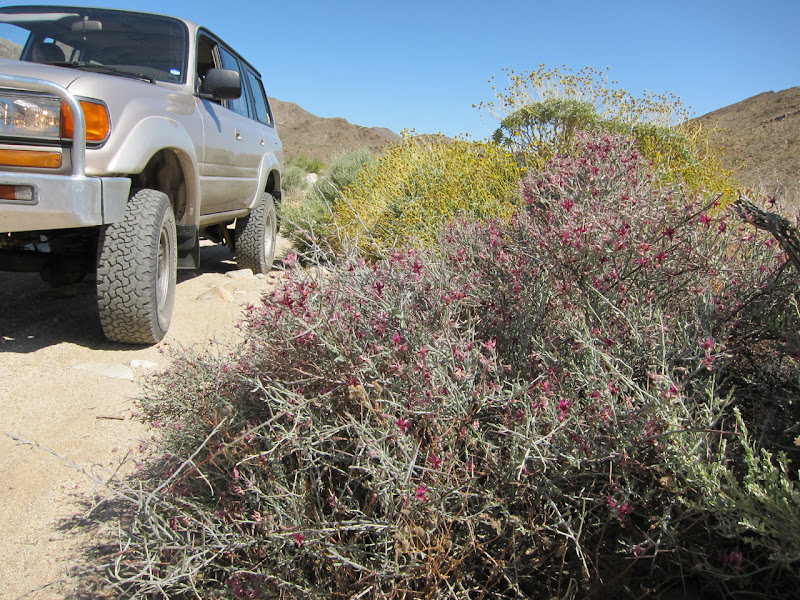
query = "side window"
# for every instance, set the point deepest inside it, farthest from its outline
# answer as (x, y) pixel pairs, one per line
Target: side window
(238, 105)
(205, 59)
(260, 104)
(205, 56)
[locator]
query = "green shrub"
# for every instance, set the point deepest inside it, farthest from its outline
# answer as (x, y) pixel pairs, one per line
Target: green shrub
(309, 165)
(308, 221)
(538, 409)
(293, 178)
(344, 169)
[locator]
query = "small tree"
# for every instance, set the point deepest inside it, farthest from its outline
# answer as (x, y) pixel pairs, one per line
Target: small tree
(540, 112)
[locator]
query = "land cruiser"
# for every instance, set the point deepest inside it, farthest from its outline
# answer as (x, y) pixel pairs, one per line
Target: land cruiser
(125, 138)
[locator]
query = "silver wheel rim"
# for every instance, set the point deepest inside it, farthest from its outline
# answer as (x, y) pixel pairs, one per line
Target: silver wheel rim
(269, 233)
(163, 272)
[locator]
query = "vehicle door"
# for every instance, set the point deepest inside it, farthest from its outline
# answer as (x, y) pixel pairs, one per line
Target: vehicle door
(232, 151)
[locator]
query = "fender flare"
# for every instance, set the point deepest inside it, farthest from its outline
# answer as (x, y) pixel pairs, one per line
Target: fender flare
(269, 164)
(150, 136)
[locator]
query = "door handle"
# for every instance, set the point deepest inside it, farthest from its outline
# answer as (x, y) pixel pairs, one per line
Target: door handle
(237, 134)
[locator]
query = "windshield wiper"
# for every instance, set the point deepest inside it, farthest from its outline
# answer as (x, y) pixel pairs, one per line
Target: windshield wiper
(103, 69)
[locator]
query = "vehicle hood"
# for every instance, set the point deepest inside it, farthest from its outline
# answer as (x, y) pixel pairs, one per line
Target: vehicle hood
(85, 83)
(60, 75)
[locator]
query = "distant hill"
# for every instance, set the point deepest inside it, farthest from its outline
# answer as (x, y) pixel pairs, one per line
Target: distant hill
(9, 49)
(317, 137)
(760, 138)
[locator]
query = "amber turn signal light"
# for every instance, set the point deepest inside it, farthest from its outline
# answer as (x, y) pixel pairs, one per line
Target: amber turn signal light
(97, 123)
(30, 158)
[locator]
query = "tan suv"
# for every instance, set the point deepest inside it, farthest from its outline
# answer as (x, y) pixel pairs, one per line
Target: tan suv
(125, 138)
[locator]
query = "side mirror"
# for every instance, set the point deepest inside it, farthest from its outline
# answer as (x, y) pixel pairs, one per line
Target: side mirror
(221, 84)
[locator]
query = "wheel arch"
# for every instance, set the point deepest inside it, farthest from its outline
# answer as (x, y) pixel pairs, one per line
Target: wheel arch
(170, 171)
(159, 154)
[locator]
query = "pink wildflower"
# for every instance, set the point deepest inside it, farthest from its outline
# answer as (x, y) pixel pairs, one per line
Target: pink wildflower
(707, 344)
(403, 424)
(422, 493)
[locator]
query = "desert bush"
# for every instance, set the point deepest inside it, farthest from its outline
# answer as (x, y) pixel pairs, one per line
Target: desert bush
(421, 183)
(308, 220)
(540, 111)
(539, 408)
(344, 169)
(309, 165)
(293, 178)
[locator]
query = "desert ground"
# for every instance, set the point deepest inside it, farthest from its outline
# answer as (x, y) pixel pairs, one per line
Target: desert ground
(67, 408)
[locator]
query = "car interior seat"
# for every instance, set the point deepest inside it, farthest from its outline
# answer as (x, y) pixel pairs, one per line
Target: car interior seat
(47, 52)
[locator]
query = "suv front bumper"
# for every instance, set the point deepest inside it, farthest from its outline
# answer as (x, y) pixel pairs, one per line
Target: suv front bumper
(61, 201)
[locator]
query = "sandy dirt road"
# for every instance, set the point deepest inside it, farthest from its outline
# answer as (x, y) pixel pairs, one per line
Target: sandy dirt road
(64, 387)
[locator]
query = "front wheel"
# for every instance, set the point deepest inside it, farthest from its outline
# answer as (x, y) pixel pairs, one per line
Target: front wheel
(256, 235)
(137, 269)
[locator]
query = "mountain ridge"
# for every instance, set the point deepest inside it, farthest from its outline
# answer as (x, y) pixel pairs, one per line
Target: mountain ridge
(759, 138)
(304, 133)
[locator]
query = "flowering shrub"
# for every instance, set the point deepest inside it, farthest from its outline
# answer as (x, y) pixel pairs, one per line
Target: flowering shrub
(421, 183)
(540, 111)
(539, 408)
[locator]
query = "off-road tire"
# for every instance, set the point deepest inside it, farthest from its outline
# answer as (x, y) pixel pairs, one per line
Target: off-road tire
(256, 235)
(137, 269)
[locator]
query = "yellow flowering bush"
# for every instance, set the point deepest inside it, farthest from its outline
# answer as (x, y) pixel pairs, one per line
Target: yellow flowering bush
(540, 111)
(420, 184)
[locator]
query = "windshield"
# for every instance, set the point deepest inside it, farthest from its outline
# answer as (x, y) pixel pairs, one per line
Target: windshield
(132, 43)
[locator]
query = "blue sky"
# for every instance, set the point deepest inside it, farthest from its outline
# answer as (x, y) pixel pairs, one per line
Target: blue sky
(423, 64)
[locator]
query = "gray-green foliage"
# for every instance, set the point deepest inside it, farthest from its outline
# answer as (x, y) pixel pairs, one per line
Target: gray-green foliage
(307, 221)
(309, 165)
(293, 178)
(344, 169)
(546, 126)
(764, 507)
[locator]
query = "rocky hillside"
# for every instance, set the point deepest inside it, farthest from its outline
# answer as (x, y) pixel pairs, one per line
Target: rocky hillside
(760, 137)
(9, 49)
(317, 137)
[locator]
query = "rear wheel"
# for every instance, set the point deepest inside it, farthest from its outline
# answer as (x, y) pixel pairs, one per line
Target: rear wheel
(137, 269)
(256, 235)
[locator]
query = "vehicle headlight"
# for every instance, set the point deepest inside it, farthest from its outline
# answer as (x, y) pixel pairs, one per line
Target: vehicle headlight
(30, 116)
(45, 117)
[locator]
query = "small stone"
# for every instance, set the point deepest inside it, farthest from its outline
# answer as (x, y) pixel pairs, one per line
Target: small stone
(240, 274)
(217, 292)
(115, 371)
(143, 364)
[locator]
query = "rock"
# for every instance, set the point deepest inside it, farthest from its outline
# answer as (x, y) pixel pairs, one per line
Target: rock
(115, 371)
(217, 292)
(240, 274)
(143, 364)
